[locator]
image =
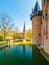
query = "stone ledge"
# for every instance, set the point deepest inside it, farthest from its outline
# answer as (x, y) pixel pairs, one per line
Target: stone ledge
(46, 56)
(4, 45)
(39, 46)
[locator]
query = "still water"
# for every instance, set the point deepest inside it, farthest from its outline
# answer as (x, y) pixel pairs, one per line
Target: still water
(21, 55)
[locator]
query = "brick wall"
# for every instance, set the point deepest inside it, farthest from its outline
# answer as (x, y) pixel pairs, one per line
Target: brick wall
(36, 28)
(46, 41)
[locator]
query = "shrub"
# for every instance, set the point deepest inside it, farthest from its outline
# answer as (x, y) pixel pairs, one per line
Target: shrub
(1, 38)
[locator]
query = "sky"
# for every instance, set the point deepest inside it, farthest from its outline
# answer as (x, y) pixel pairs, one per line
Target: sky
(19, 11)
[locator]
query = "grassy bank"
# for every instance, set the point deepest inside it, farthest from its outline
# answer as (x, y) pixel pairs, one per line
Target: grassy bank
(2, 42)
(22, 42)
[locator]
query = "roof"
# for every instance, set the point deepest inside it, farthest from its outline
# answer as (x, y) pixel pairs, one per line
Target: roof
(36, 10)
(37, 7)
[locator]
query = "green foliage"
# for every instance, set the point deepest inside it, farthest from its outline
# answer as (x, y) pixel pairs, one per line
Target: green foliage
(18, 35)
(1, 38)
(5, 24)
(29, 34)
(21, 42)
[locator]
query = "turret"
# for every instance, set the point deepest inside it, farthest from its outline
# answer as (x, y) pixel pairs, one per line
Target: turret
(36, 23)
(36, 11)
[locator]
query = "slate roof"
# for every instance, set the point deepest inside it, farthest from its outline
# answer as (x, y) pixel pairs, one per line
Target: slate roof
(36, 9)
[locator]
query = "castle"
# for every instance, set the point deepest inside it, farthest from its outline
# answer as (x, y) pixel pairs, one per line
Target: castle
(40, 25)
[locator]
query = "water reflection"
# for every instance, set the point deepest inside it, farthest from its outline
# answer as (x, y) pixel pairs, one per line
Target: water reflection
(21, 54)
(20, 51)
(1, 53)
(27, 51)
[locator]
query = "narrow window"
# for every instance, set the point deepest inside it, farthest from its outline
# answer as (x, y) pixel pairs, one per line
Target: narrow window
(48, 1)
(43, 15)
(45, 2)
(39, 34)
(44, 29)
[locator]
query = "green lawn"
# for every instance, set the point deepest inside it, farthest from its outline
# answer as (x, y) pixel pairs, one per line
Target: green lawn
(2, 42)
(21, 42)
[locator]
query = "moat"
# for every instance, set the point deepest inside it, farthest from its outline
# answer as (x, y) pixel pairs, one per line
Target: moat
(21, 55)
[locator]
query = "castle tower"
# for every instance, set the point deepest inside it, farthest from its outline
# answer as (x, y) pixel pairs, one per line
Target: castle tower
(24, 33)
(36, 24)
(40, 25)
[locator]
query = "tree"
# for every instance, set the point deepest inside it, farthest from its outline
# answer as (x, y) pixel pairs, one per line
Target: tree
(29, 34)
(5, 24)
(1, 38)
(15, 32)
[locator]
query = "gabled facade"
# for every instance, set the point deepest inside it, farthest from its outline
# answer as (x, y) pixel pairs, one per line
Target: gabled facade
(40, 25)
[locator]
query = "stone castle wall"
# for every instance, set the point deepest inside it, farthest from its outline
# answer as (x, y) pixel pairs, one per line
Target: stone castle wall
(36, 27)
(46, 40)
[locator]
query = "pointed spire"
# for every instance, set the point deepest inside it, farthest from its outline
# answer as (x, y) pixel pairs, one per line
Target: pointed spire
(24, 25)
(37, 7)
(24, 32)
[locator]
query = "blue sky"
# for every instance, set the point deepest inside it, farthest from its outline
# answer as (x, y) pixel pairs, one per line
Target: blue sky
(19, 10)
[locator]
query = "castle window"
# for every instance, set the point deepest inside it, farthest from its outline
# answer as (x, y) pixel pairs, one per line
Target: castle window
(43, 15)
(45, 2)
(39, 34)
(48, 1)
(41, 22)
(44, 29)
